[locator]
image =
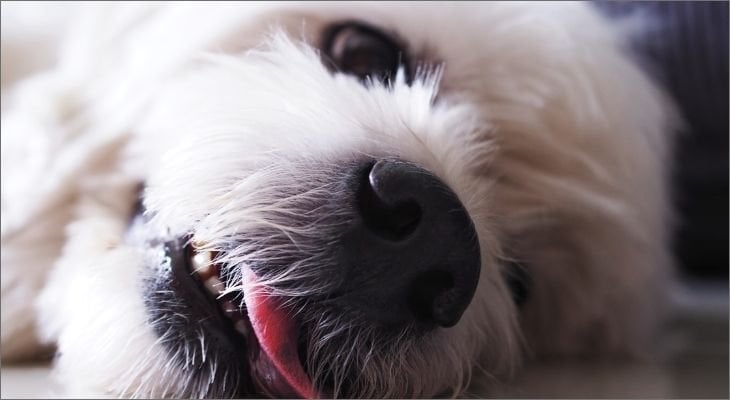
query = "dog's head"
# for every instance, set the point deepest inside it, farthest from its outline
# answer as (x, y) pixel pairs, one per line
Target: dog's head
(335, 195)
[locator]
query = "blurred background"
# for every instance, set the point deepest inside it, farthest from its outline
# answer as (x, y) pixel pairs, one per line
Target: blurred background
(687, 51)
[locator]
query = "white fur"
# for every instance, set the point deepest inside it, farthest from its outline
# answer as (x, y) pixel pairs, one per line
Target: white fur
(550, 135)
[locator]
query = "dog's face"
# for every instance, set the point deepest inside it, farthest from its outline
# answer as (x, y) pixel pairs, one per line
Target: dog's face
(332, 207)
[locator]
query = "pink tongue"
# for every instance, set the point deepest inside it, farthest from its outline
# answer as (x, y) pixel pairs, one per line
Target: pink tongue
(277, 369)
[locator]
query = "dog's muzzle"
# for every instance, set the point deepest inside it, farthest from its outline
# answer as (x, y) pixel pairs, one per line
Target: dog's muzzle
(396, 253)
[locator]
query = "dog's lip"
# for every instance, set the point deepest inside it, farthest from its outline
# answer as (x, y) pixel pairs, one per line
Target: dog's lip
(273, 359)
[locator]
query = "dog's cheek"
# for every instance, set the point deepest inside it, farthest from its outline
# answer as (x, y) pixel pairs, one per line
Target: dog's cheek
(93, 305)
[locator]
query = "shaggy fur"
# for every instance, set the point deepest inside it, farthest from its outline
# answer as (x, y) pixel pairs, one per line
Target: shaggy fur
(534, 114)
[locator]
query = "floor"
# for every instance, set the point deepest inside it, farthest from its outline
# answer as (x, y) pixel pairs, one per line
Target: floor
(695, 364)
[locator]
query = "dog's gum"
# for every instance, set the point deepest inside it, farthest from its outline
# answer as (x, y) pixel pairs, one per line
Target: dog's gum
(241, 327)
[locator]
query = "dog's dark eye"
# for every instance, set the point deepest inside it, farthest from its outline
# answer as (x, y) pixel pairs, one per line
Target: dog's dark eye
(519, 282)
(364, 52)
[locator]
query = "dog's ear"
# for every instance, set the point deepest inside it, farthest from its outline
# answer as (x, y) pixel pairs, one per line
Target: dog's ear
(48, 160)
(40, 167)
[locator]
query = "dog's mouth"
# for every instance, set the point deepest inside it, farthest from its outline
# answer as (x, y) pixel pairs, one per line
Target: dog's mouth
(269, 333)
(384, 254)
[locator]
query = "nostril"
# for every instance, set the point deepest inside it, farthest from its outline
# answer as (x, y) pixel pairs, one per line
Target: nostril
(426, 297)
(390, 220)
(410, 253)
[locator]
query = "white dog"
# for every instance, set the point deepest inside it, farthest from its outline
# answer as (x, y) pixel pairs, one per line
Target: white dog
(353, 200)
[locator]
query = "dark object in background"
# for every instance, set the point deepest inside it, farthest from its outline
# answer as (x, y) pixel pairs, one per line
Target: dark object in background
(689, 51)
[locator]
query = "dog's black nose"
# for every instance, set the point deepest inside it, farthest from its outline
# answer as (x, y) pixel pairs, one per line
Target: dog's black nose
(413, 254)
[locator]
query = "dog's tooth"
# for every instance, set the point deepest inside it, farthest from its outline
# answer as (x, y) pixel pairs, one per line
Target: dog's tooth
(214, 285)
(241, 327)
(201, 262)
